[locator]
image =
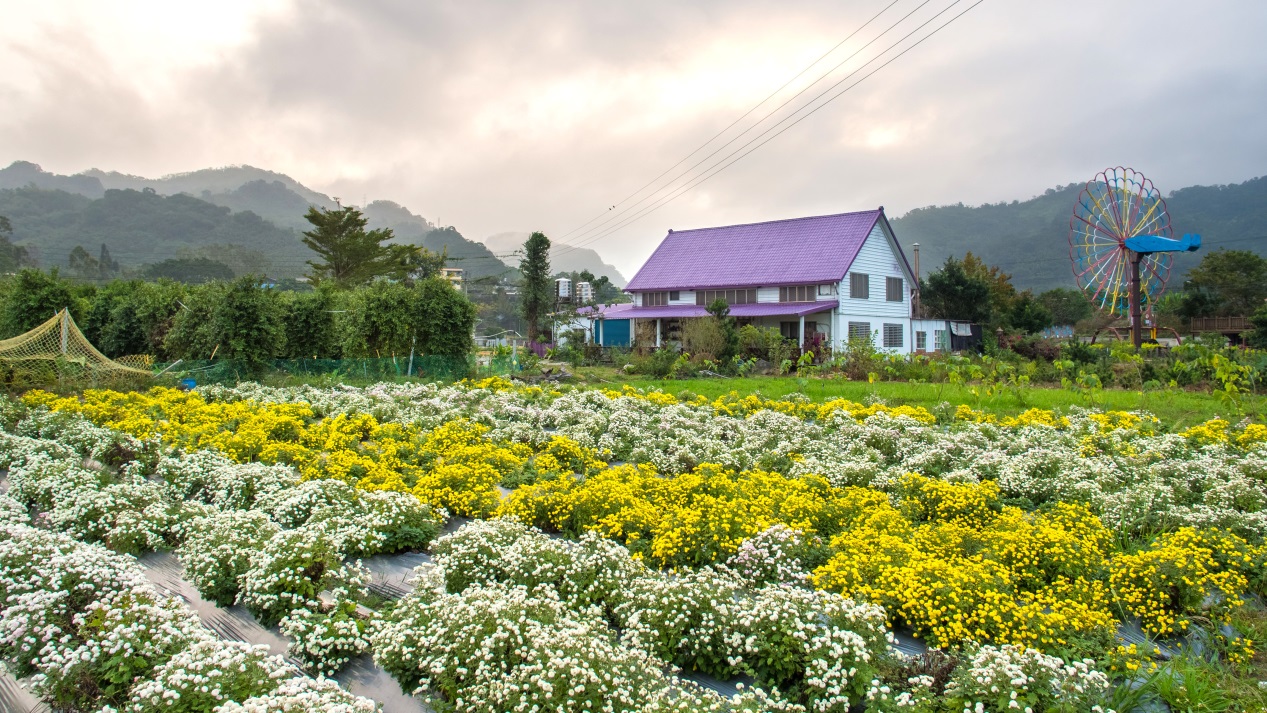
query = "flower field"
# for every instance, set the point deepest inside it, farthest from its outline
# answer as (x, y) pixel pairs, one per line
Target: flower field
(595, 550)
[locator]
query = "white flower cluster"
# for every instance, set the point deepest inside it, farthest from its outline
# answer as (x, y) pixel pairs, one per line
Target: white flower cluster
(360, 523)
(291, 571)
(772, 556)
(209, 477)
(499, 574)
(1013, 678)
(325, 641)
(104, 445)
(217, 551)
(303, 695)
(128, 514)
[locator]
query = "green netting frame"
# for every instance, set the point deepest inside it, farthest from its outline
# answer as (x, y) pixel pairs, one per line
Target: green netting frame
(57, 352)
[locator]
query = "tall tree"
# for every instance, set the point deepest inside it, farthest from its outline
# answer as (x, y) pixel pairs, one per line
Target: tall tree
(350, 254)
(1028, 314)
(108, 266)
(12, 256)
(1230, 282)
(951, 293)
(1067, 307)
(720, 311)
(83, 265)
(536, 295)
(1002, 293)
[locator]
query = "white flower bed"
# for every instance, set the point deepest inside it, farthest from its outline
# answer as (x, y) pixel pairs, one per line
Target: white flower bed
(91, 633)
(1167, 481)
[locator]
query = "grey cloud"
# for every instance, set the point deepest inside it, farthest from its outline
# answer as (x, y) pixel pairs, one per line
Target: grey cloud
(439, 106)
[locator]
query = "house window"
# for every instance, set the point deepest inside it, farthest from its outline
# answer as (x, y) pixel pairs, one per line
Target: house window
(860, 330)
(674, 296)
(798, 293)
(942, 341)
(655, 299)
(704, 298)
(893, 336)
(893, 289)
(921, 341)
(859, 286)
(828, 290)
(790, 330)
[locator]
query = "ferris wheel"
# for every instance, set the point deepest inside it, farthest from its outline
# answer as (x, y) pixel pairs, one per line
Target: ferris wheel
(1121, 246)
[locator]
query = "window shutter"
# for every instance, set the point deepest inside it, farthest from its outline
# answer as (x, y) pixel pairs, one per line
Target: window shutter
(859, 286)
(892, 336)
(893, 289)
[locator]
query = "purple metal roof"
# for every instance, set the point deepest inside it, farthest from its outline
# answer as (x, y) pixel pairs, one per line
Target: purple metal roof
(798, 251)
(763, 309)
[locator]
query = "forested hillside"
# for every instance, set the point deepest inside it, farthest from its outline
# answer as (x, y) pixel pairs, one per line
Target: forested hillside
(189, 215)
(1029, 239)
(140, 227)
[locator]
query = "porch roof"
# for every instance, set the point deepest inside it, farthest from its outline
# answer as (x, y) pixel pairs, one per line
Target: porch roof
(760, 309)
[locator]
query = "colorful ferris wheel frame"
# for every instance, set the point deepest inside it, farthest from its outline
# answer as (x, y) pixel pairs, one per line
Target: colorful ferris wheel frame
(1117, 206)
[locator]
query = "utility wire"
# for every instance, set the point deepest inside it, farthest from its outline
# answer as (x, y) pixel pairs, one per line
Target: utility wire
(719, 167)
(741, 118)
(772, 112)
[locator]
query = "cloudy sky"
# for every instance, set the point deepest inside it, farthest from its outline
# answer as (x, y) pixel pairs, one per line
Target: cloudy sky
(509, 115)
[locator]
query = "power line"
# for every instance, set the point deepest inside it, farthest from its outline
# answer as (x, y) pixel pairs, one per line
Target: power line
(719, 167)
(772, 112)
(741, 118)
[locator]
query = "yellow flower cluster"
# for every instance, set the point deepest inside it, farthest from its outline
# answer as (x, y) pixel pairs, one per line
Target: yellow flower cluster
(1186, 573)
(691, 519)
(1211, 433)
(1253, 435)
(1131, 659)
(733, 404)
(1035, 417)
(454, 466)
(963, 569)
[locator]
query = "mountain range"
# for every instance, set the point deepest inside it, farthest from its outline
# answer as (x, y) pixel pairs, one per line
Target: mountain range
(144, 220)
(147, 220)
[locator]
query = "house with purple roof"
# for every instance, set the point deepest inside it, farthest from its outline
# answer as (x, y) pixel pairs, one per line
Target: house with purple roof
(839, 276)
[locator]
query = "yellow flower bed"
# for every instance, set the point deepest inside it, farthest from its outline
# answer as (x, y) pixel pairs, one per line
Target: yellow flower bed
(455, 466)
(953, 566)
(1177, 575)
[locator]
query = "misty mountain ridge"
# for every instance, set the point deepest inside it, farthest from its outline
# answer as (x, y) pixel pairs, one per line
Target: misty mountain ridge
(52, 225)
(1030, 239)
(263, 210)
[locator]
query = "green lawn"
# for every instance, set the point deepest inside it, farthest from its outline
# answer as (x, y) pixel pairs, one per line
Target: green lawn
(1177, 409)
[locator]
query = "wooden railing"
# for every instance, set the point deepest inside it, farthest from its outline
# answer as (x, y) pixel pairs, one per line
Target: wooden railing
(1221, 324)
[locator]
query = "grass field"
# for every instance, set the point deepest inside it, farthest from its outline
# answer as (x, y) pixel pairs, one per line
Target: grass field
(1176, 408)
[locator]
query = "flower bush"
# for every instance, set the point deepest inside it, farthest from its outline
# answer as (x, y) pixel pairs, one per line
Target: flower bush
(301, 695)
(290, 572)
(504, 647)
(217, 551)
(207, 675)
(325, 641)
(1011, 678)
(91, 633)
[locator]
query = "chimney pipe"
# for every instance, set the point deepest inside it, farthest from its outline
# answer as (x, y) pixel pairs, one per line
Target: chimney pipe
(915, 302)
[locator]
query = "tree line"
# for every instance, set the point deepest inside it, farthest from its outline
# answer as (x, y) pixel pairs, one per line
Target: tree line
(1225, 283)
(368, 298)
